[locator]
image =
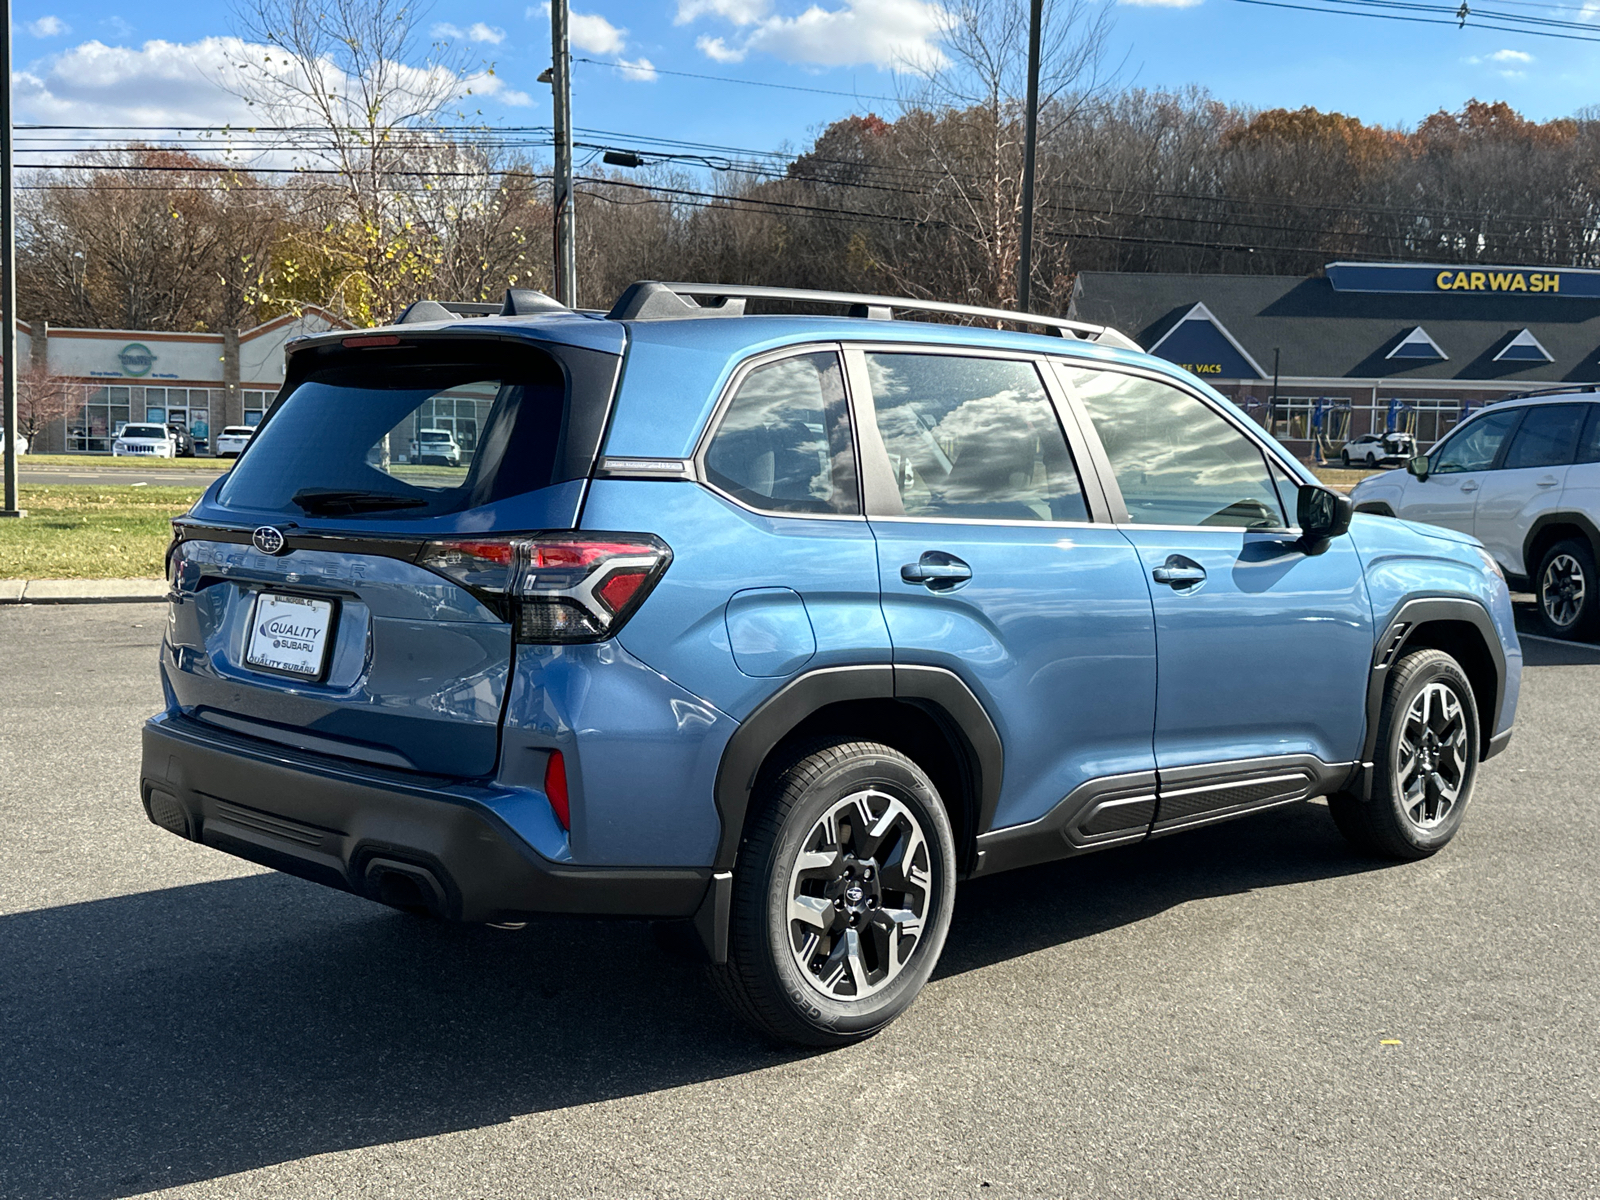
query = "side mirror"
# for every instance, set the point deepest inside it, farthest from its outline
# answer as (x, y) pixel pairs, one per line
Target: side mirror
(1418, 466)
(1323, 514)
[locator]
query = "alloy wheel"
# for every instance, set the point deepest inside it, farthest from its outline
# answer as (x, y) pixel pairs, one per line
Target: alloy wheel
(859, 895)
(1432, 755)
(1562, 591)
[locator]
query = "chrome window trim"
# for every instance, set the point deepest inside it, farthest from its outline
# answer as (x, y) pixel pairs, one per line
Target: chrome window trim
(989, 521)
(740, 373)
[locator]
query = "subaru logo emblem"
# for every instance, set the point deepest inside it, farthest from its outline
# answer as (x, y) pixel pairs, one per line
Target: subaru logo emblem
(268, 540)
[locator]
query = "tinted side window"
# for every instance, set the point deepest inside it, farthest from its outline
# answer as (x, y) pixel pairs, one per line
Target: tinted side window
(1589, 445)
(1473, 448)
(1176, 461)
(974, 438)
(784, 443)
(1547, 436)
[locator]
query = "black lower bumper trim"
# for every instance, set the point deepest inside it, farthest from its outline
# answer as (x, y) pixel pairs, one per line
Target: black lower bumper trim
(1496, 744)
(359, 831)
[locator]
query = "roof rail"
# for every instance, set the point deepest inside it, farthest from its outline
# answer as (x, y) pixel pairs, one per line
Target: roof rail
(650, 300)
(1555, 389)
(519, 302)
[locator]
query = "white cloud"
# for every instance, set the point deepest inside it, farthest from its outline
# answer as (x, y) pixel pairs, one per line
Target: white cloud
(883, 33)
(718, 50)
(123, 30)
(1161, 3)
(478, 32)
(1516, 56)
(48, 27)
(640, 70)
(740, 12)
(592, 32)
(166, 83)
(589, 32)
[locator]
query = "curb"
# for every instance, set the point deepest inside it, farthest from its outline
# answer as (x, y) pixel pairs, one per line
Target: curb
(82, 591)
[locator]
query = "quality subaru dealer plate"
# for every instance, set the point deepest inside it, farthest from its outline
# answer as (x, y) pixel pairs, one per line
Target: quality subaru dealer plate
(289, 634)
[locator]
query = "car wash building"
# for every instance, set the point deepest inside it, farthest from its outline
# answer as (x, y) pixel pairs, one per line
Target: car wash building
(107, 378)
(1363, 347)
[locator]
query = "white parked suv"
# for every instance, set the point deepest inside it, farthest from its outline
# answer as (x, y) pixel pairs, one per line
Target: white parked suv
(232, 440)
(1523, 477)
(436, 446)
(1374, 449)
(148, 441)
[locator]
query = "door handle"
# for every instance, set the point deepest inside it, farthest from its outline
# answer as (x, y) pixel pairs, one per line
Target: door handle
(1179, 572)
(1548, 482)
(938, 571)
(1470, 485)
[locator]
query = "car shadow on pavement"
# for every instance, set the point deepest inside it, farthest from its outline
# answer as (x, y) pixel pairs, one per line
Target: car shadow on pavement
(1010, 915)
(179, 1035)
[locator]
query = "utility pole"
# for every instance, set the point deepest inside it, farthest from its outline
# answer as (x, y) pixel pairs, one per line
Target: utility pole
(1030, 140)
(8, 271)
(566, 270)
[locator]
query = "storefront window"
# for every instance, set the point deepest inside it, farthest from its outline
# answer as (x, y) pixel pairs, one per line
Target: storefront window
(99, 420)
(255, 405)
(188, 407)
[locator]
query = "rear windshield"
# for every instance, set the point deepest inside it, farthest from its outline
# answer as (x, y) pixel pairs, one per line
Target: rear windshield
(394, 435)
(143, 431)
(237, 431)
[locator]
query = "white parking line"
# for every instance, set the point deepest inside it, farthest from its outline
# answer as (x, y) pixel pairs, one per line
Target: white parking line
(1539, 637)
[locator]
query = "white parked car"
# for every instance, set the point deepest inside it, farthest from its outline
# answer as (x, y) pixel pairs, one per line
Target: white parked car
(232, 440)
(145, 441)
(22, 443)
(1523, 477)
(436, 446)
(1375, 449)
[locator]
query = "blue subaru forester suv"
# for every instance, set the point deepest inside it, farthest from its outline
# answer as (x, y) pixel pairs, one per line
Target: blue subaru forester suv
(781, 625)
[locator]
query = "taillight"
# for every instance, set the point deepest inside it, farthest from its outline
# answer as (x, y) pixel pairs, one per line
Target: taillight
(555, 587)
(555, 788)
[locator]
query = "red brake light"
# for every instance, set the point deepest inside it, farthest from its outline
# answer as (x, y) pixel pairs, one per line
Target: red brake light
(620, 588)
(555, 588)
(555, 788)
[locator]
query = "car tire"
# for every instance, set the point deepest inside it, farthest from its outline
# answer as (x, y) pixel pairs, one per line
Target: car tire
(1344, 458)
(1425, 764)
(842, 896)
(1566, 588)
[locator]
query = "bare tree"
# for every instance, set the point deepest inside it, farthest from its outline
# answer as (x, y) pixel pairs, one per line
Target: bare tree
(41, 399)
(364, 95)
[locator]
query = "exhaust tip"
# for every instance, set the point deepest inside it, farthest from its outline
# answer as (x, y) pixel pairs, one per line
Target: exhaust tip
(406, 886)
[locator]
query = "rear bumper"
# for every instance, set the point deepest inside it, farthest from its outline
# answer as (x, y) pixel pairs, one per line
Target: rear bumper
(417, 843)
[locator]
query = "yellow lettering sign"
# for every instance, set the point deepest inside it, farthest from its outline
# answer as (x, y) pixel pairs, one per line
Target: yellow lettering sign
(1496, 281)
(1202, 368)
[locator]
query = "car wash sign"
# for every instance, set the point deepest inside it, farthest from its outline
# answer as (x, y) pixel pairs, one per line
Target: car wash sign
(1439, 279)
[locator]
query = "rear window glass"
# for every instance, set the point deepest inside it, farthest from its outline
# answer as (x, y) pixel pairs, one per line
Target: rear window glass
(391, 436)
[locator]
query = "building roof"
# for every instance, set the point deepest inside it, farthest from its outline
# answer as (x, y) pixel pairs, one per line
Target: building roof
(1321, 333)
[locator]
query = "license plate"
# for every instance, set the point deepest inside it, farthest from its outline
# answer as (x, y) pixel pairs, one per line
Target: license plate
(289, 634)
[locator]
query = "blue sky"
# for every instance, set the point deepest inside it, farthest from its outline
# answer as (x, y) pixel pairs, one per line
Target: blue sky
(98, 62)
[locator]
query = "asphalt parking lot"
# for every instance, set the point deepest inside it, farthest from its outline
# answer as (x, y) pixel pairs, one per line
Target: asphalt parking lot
(119, 476)
(1250, 1010)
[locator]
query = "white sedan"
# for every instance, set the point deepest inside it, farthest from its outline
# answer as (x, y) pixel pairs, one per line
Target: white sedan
(144, 441)
(22, 443)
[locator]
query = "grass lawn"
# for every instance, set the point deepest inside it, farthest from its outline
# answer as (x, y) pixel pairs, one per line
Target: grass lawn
(91, 532)
(131, 462)
(1343, 476)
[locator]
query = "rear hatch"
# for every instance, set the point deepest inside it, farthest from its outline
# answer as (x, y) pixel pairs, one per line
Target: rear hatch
(332, 593)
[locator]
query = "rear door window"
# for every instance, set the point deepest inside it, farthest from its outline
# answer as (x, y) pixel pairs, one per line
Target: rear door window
(973, 439)
(1547, 437)
(404, 436)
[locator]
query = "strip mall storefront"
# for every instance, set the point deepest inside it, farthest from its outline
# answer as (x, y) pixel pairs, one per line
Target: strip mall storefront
(1363, 347)
(201, 381)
